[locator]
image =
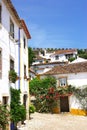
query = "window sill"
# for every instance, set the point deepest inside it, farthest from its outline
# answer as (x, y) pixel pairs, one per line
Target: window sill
(11, 38)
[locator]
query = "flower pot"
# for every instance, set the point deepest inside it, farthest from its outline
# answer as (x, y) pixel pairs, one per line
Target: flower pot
(55, 110)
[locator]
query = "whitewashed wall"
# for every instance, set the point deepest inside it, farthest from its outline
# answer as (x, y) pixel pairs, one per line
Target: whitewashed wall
(9, 49)
(76, 80)
(24, 61)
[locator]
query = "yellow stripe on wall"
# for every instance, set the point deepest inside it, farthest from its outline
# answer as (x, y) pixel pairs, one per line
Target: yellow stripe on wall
(78, 112)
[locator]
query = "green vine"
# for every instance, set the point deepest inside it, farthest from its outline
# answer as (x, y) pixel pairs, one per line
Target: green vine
(18, 111)
(81, 94)
(4, 117)
(12, 76)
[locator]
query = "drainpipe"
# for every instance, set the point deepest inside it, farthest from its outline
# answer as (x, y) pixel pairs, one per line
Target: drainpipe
(19, 58)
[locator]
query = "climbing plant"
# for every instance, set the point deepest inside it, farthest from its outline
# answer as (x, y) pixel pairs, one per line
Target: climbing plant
(4, 117)
(12, 76)
(18, 111)
(81, 95)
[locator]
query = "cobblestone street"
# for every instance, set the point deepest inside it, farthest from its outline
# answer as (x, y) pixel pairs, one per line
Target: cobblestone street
(56, 122)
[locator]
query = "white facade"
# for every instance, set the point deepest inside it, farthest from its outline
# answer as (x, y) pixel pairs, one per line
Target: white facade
(62, 57)
(78, 80)
(44, 67)
(13, 46)
(38, 61)
(49, 60)
(24, 84)
(9, 50)
(58, 56)
(79, 59)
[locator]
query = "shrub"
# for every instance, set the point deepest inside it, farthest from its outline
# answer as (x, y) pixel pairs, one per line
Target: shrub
(32, 108)
(71, 59)
(4, 116)
(18, 111)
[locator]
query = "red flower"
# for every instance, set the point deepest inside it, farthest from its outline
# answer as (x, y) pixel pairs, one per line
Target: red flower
(47, 97)
(51, 90)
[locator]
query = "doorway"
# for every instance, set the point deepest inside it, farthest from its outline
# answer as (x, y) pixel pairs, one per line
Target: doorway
(64, 104)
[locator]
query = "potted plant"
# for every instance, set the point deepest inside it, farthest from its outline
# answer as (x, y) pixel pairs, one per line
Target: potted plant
(12, 76)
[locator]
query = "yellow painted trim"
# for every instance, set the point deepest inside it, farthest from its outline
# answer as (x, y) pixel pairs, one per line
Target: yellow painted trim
(78, 112)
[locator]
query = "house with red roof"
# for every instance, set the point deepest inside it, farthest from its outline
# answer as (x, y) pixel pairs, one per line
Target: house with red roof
(74, 74)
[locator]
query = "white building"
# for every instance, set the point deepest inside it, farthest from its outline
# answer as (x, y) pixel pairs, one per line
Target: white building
(71, 74)
(56, 56)
(79, 59)
(41, 68)
(46, 61)
(63, 55)
(9, 28)
(14, 37)
(24, 77)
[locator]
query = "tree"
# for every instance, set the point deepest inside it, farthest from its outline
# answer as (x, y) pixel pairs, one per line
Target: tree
(31, 56)
(47, 94)
(82, 53)
(38, 86)
(44, 91)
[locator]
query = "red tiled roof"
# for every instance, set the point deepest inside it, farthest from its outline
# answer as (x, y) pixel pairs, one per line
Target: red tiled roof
(69, 51)
(69, 68)
(13, 11)
(50, 63)
(30, 70)
(25, 29)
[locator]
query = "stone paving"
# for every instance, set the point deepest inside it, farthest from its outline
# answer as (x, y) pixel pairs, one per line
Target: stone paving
(56, 122)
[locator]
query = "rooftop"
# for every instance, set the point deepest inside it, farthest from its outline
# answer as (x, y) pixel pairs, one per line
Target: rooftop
(69, 68)
(68, 51)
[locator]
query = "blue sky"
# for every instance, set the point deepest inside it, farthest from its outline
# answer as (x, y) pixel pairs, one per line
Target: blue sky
(55, 23)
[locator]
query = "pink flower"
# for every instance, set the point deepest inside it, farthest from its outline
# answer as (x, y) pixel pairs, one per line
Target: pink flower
(47, 97)
(41, 97)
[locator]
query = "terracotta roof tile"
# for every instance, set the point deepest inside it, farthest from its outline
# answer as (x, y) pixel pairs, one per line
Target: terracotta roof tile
(69, 68)
(11, 8)
(25, 29)
(50, 63)
(32, 71)
(69, 51)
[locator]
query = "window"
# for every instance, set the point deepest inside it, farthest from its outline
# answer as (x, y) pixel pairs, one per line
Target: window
(69, 56)
(40, 61)
(11, 64)
(0, 63)
(5, 100)
(24, 43)
(56, 57)
(63, 81)
(11, 28)
(24, 70)
(0, 13)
